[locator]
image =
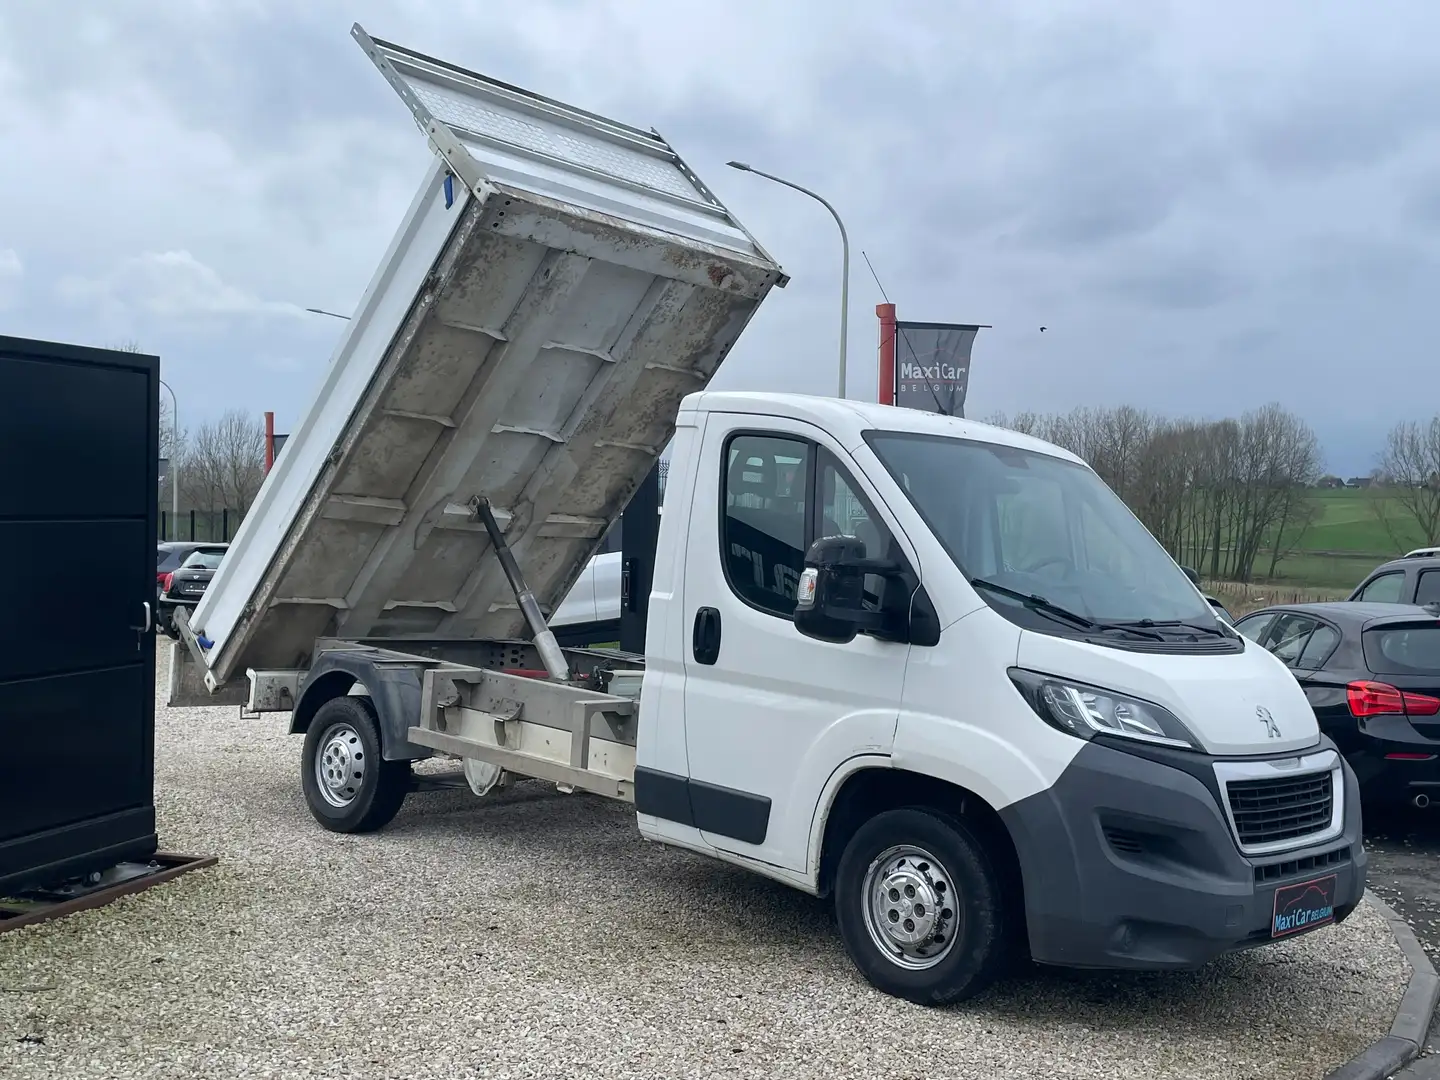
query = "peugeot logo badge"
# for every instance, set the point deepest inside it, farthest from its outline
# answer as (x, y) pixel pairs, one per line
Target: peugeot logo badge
(1263, 715)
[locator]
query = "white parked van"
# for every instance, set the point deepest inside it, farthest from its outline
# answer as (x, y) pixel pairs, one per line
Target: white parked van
(933, 670)
(1000, 708)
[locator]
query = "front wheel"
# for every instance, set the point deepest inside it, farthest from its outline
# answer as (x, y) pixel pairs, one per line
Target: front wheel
(921, 907)
(348, 784)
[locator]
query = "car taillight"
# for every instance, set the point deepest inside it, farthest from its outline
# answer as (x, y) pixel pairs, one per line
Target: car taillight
(1421, 704)
(1382, 699)
(165, 582)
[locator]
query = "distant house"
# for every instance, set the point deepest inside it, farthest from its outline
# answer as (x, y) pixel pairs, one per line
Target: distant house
(1358, 482)
(1330, 482)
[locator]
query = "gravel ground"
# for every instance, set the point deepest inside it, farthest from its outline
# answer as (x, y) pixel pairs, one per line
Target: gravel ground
(533, 934)
(1405, 872)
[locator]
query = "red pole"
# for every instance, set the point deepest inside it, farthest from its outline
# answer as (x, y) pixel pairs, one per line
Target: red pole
(886, 314)
(269, 442)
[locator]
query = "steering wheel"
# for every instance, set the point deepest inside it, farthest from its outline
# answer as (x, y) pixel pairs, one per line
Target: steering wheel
(1049, 560)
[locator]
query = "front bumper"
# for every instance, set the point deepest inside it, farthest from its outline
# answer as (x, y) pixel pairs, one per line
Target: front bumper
(1129, 862)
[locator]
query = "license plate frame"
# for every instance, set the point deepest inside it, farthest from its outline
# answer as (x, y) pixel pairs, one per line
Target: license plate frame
(1294, 909)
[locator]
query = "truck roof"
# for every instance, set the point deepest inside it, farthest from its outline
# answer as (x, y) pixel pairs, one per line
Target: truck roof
(848, 419)
(559, 283)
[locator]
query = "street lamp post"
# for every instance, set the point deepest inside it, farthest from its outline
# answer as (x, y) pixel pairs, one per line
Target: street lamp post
(174, 458)
(845, 250)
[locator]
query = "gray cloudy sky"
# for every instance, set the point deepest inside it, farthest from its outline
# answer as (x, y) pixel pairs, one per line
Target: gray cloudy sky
(1210, 204)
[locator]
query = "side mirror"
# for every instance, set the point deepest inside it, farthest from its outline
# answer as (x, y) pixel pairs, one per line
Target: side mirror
(1191, 573)
(830, 600)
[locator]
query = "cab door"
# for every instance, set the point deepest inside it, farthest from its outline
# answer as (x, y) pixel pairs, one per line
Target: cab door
(770, 713)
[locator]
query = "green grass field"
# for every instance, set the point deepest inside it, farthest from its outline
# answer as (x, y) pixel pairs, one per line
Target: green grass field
(1337, 573)
(1345, 543)
(1348, 522)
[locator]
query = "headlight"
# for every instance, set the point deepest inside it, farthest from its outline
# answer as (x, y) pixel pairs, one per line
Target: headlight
(1086, 711)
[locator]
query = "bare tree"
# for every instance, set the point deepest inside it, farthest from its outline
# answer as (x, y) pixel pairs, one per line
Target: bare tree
(1298, 459)
(1410, 469)
(1299, 515)
(1399, 524)
(1216, 493)
(224, 463)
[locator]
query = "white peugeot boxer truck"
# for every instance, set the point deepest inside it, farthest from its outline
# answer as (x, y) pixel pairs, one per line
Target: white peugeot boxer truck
(932, 670)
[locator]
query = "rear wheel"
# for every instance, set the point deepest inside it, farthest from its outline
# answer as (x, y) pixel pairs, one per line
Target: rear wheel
(348, 784)
(921, 907)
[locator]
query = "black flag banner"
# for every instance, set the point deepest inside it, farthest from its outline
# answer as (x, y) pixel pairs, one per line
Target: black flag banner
(932, 365)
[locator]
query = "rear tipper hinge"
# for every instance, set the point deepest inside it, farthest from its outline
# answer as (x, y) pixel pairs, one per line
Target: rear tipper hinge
(443, 140)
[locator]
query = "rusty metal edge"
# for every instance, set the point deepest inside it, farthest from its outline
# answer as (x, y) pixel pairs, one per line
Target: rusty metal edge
(181, 864)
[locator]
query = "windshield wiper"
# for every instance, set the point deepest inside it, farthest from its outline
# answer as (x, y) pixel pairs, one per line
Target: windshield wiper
(1178, 624)
(1038, 603)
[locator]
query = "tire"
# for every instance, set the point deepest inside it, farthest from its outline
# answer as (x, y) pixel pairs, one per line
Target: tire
(361, 792)
(925, 855)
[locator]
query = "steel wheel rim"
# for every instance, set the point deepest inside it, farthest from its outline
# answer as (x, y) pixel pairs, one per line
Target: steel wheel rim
(909, 901)
(340, 765)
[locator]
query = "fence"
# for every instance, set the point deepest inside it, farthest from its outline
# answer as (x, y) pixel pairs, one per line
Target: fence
(210, 525)
(1241, 598)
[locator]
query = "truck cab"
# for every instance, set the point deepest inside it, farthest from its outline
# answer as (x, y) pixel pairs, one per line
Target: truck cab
(1002, 703)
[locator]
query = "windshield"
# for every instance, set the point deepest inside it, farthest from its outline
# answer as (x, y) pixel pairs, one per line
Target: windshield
(204, 560)
(1039, 526)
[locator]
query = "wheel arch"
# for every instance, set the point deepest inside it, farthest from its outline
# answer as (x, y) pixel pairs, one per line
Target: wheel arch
(871, 787)
(393, 690)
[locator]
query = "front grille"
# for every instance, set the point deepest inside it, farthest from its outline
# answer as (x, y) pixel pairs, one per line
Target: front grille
(1310, 864)
(1270, 811)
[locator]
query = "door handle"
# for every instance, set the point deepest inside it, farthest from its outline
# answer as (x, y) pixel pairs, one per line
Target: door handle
(141, 631)
(705, 642)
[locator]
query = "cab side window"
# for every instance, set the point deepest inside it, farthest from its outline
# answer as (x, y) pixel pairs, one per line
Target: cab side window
(765, 527)
(844, 511)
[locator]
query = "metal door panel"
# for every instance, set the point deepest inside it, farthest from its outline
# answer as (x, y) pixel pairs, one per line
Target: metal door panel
(73, 602)
(78, 434)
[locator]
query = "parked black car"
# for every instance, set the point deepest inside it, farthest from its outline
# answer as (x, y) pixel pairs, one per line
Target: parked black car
(1415, 579)
(1372, 674)
(169, 554)
(185, 585)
